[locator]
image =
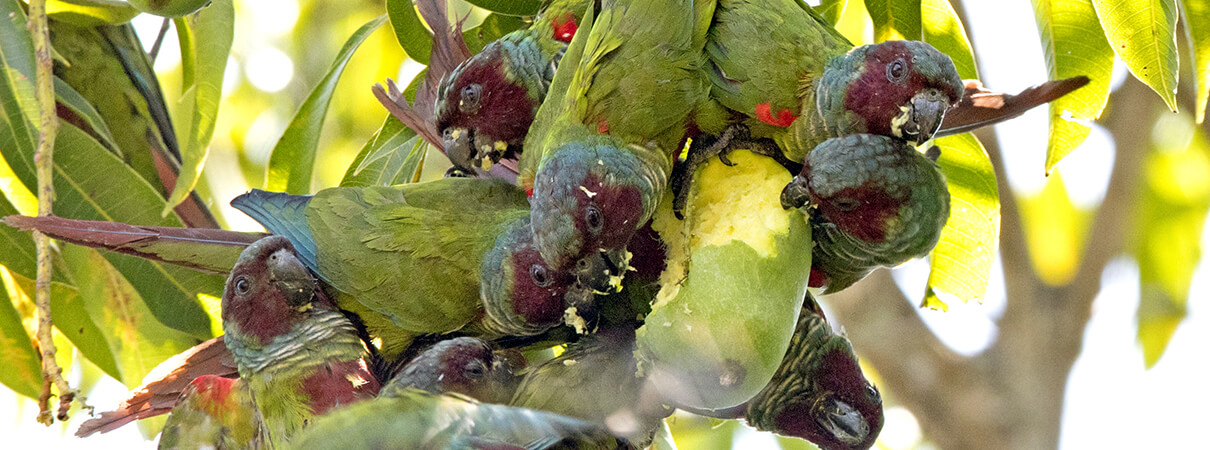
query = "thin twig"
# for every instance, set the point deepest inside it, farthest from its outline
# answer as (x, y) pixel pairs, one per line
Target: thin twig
(48, 129)
(159, 39)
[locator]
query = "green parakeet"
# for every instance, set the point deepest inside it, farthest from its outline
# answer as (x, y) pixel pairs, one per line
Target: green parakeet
(485, 106)
(596, 380)
(877, 202)
(599, 154)
(299, 356)
(819, 392)
(463, 365)
(435, 257)
(214, 412)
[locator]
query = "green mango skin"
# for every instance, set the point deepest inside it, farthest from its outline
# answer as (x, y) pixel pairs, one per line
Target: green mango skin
(169, 8)
(718, 341)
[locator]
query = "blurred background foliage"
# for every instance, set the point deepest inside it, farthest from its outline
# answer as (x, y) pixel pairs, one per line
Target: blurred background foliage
(1152, 206)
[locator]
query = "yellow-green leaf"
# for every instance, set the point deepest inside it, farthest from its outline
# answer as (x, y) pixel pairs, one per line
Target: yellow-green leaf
(88, 13)
(962, 260)
(410, 31)
(293, 158)
(510, 7)
(20, 368)
(831, 10)
(1054, 231)
(1073, 44)
(493, 27)
(1196, 14)
(1143, 34)
(895, 19)
(943, 29)
(391, 157)
(211, 29)
(1173, 202)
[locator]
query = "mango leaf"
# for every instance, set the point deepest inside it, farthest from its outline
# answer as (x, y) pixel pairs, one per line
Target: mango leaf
(293, 157)
(493, 27)
(1054, 231)
(1196, 14)
(895, 19)
(1073, 44)
(93, 184)
(509, 7)
(88, 13)
(20, 369)
(212, 29)
(68, 97)
(392, 156)
(831, 10)
(410, 31)
(943, 29)
(1173, 202)
(136, 338)
(17, 103)
(1143, 34)
(18, 255)
(962, 260)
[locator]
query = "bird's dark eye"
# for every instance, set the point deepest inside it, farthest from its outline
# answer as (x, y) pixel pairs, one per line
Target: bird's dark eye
(846, 204)
(594, 219)
(871, 391)
(538, 273)
(475, 370)
(471, 95)
(242, 285)
(896, 71)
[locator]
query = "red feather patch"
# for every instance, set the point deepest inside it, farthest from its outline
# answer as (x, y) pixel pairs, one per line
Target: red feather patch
(564, 27)
(764, 113)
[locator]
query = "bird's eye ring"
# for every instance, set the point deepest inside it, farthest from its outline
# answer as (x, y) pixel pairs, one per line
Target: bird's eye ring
(475, 370)
(896, 71)
(538, 273)
(472, 94)
(594, 219)
(846, 204)
(242, 285)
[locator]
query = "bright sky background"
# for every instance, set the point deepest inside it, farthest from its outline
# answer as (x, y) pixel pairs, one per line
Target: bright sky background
(1111, 400)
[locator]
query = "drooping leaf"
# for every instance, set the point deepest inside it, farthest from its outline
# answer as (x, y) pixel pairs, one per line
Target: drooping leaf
(391, 157)
(492, 27)
(895, 19)
(1054, 231)
(1143, 34)
(212, 30)
(92, 121)
(20, 368)
(19, 255)
(831, 10)
(509, 7)
(943, 29)
(1196, 14)
(1174, 199)
(415, 39)
(1073, 44)
(962, 260)
(293, 158)
(89, 13)
(17, 103)
(68, 315)
(137, 339)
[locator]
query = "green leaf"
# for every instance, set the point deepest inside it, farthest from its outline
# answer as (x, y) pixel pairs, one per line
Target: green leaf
(831, 10)
(895, 19)
(1173, 202)
(410, 31)
(89, 13)
(212, 28)
(136, 338)
(1143, 34)
(19, 255)
(509, 7)
(68, 315)
(943, 29)
(70, 98)
(493, 27)
(962, 260)
(20, 369)
(391, 157)
(293, 157)
(1073, 44)
(1196, 14)
(17, 104)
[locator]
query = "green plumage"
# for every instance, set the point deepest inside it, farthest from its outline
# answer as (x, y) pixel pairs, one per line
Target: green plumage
(216, 413)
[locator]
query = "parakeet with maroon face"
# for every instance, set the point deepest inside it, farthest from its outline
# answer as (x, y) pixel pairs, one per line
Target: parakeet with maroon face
(485, 106)
(448, 255)
(876, 201)
(463, 365)
(299, 356)
(599, 155)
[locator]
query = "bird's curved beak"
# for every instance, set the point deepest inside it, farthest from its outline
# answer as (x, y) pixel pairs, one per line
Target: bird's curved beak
(795, 194)
(291, 277)
(457, 142)
(602, 271)
(842, 421)
(921, 116)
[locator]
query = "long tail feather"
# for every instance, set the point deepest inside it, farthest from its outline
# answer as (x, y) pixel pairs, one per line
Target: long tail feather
(981, 107)
(203, 249)
(285, 215)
